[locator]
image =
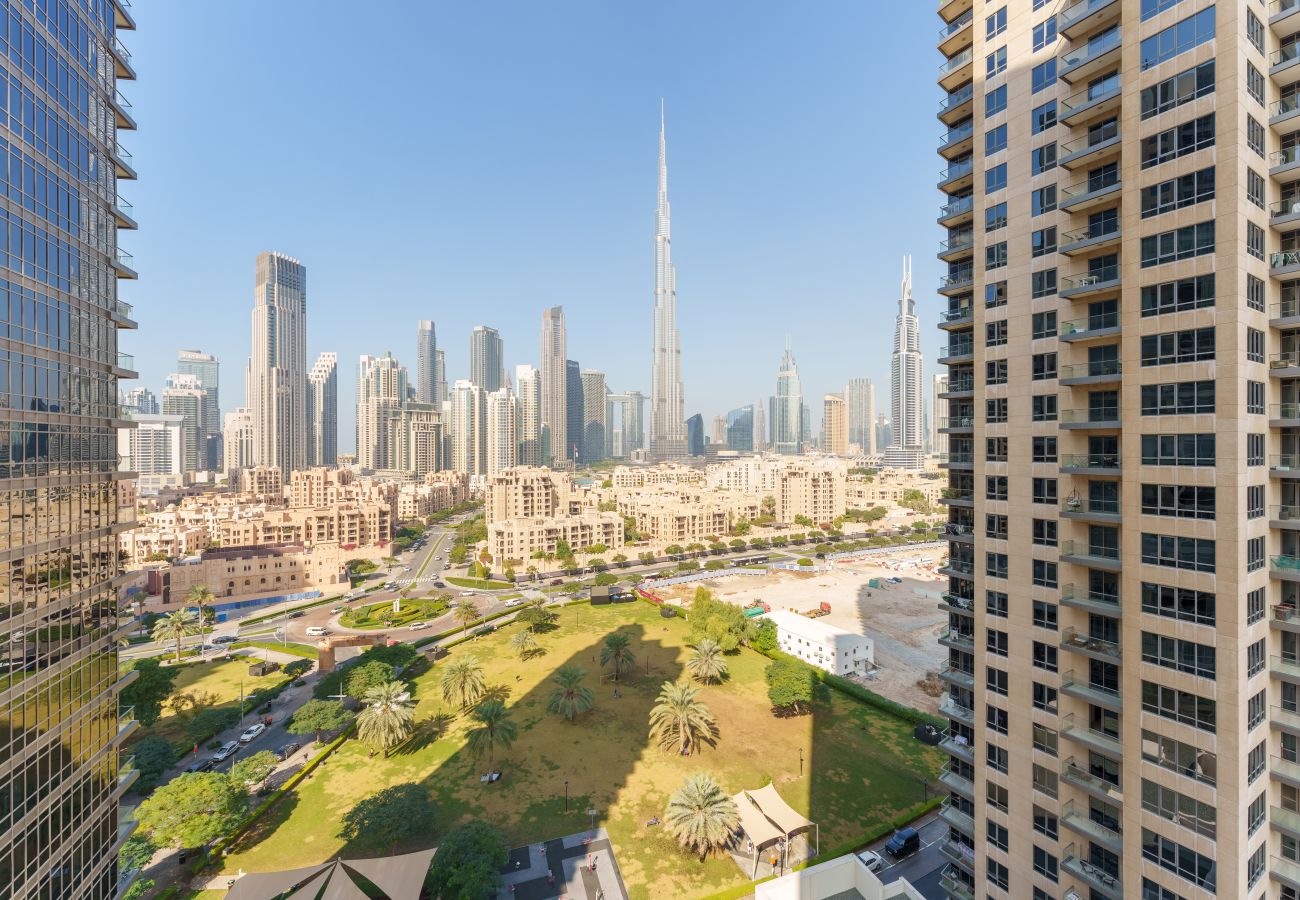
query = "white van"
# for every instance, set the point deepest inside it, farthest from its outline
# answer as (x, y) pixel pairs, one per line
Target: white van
(317, 631)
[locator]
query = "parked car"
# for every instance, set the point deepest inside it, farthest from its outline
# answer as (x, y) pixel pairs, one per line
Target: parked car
(555, 582)
(515, 601)
(297, 614)
(905, 842)
(894, 580)
(202, 765)
(418, 626)
(225, 751)
(335, 610)
(287, 751)
(224, 639)
(467, 593)
(317, 631)
(446, 566)
(872, 860)
(253, 732)
(440, 584)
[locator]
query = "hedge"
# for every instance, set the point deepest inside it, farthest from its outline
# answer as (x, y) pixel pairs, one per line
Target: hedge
(256, 620)
(425, 641)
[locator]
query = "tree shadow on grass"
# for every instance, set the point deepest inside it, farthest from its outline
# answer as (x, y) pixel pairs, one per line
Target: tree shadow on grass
(268, 823)
(425, 733)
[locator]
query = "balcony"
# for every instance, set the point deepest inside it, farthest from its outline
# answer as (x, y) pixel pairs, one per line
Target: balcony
(1085, 690)
(951, 9)
(1078, 596)
(1094, 237)
(122, 59)
(1087, 509)
(1094, 740)
(1285, 262)
(955, 782)
(1284, 769)
(1285, 466)
(1104, 279)
(1080, 777)
(1285, 871)
(957, 177)
(954, 710)
(1099, 417)
(121, 162)
(1287, 667)
(1090, 464)
(1091, 192)
(124, 213)
(957, 282)
(957, 604)
(1285, 364)
(956, 424)
(958, 853)
(123, 315)
(1284, 115)
(1092, 103)
(955, 887)
(1097, 878)
(1286, 616)
(1284, 212)
(1091, 149)
(957, 390)
(1284, 65)
(956, 141)
(958, 677)
(957, 211)
(1282, 16)
(957, 819)
(1099, 372)
(1101, 325)
(956, 531)
(1095, 556)
(959, 244)
(1082, 823)
(952, 318)
(1287, 568)
(956, 104)
(956, 353)
(958, 640)
(1093, 58)
(1087, 17)
(1285, 719)
(124, 366)
(1089, 646)
(958, 746)
(122, 263)
(121, 111)
(956, 69)
(962, 568)
(1284, 165)
(955, 35)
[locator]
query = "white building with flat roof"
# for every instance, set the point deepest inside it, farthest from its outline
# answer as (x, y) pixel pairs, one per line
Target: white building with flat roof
(823, 645)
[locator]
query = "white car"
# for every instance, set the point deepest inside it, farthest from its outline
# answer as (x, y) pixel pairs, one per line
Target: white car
(317, 631)
(226, 750)
(517, 601)
(872, 860)
(467, 593)
(416, 626)
(252, 733)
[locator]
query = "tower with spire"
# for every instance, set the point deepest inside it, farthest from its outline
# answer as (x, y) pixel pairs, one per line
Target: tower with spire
(907, 450)
(667, 399)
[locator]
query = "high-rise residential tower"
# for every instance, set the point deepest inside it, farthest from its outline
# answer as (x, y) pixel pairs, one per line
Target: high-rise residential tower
(276, 382)
(554, 375)
(594, 394)
(502, 439)
(207, 369)
(486, 358)
(61, 776)
(528, 426)
(426, 363)
(1122, 446)
(907, 394)
(142, 401)
(860, 400)
(938, 440)
(695, 435)
(835, 425)
(787, 408)
(184, 396)
(323, 411)
(575, 403)
(760, 426)
(667, 399)
(468, 428)
(237, 441)
(440, 376)
(381, 388)
(718, 431)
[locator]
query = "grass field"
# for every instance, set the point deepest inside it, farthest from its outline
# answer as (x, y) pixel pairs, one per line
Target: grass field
(868, 767)
(222, 679)
(479, 583)
(381, 615)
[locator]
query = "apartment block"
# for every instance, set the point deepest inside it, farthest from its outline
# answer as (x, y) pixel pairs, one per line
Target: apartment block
(519, 539)
(529, 492)
(1123, 427)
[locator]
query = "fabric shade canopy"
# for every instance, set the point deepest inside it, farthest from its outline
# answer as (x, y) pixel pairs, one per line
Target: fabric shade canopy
(759, 828)
(782, 815)
(399, 877)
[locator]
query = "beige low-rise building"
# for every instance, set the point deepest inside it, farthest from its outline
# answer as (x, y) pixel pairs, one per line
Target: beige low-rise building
(172, 541)
(664, 473)
(519, 539)
(529, 492)
(672, 514)
(889, 487)
(320, 486)
(265, 483)
(811, 490)
(245, 572)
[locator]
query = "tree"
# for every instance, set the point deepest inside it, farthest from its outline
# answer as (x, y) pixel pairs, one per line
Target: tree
(562, 549)
(136, 853)
(153, 685)
(764, 639)
(254, 769)
(468, 863)
(192, 810)
(534, 615)
(598, 564)
(139, 888)
(364, 676)
(384, 820)
(154, 755)
(701, 815)
(388, 717)
(463, 682)
(495, 728)
(620, 559)
(465, 612)
(298, 668)
(737, 544)
(524, 644)
(680, 721)
(616, 652)
(673, 550)
(175, 626)
(569, 696)
(317, 717)
(706, 662)
(741, 527)
(202, 597)
(805, 521)
(803, 561)
(792, 686)
(719, 621)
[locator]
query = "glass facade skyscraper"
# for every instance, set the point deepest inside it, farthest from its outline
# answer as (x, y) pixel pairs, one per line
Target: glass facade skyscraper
(740, 429)
(64, 500)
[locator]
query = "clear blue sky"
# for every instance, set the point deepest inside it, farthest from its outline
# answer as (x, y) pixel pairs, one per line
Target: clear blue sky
(473, 163)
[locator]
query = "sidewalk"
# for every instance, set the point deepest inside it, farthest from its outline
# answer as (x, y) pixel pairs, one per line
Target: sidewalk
(577, 867)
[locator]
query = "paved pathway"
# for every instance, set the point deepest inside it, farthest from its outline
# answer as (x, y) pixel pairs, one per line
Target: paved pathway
(578, 867)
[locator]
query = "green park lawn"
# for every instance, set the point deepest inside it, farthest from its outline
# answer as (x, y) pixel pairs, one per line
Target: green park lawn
(222, 679)
(381, 615)
(479, 583)
(861, 769)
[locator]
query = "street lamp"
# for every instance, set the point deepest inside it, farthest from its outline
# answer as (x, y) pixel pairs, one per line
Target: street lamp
(566, 795)
(801, 762)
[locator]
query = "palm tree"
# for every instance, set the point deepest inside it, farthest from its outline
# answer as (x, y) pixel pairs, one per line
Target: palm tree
(388, 717)
(524, 644)
(570, 697)
(615, 650)
(175, 626)
(706, 662)
(465, 612)
(201, 596)
(680, 720)
(495, 729)
(462, 682)
(701, 815)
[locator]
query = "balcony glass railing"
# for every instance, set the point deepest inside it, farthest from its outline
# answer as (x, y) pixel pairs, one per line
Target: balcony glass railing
(1285, 512)
(962, 566)
(1285, 208)
(125, 259)
(953, 63)
(953, 493)
(1084, 548)
(952, 350)
(957, 207)
(1287, 359)
(957, 170)
(1081, 592)
(1285, 462)
(1107, 132)
(1079, 774)
(1091, 278)
(1277, 7)
(958, 529)
(1285, 157)
(1090, 505)
(958, 386)
(1090, 324)
(1094, 92)
(1281, 563)
(1284, 411)
(1090, 461)
(1286, 54)
(956, 25)
(952, 708)
(1283, 107)
(1096, 369)
(1093, 232)
(956, 315)
(956, 135)
(1284, 258)
(957, 280)
(1076, 11)
(956, 98)
(957, 422)
(126, 361)
(1098, 46)
(1108, 179)
(1082, 641)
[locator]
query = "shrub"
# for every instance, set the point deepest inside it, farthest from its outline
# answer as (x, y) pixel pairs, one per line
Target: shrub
(208, 723)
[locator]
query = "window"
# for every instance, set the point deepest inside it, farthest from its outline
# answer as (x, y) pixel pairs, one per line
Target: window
(1254, 449)
(1044, 490)
(1178, 398)
(1178, 296)
(995, 333)
(995, 604)
(995, 294)
(1181, 88)
(1180, 501)
(1254, 136)
(1044, 531)
(997, 796)
(1045, 614)
(1042, 200)
(1176, 858)
(1176, 39)
(1183, 604)
(1174, 755)
(995, 255)
(995, 449)
(1044, 863)
(1043, 75)
(995, 63)
(995, 487)
(1042, 284)
(995, 217)
(1180, 243)
(1255, 658)
(1255, 606)
(1044, 780)
(1254, 762)
(998, 834)
(1255, 30)
(1045, 573)
(1177, 807)
(1254, 345)
(996, 680)
(1045, 656)
(995, 139)
(995, 526)
(1255, 710)
(1044, 33)
(1254, 554)
(1178, 552)
(1186, 190)
(995, 178)
(1178, 706)
(995, 371)
(1178, 141)
(1043, 159)
(1179, 655)
(995, 101)
(995, 566)
(995, 24)
(1151, 7)
(1043, 325)
(1254, 240)
(1255, 84)
(1043, 242)
(1255, 187)
(1044, 449)
(997, 874)
(1255, 865)
(1173, 347)
(1178, 450)
(1255, 398)
(1045, 823)
(1043, 117)
(1043, 406)
(996, 641)
(996, 718)
(1045, 740)
(1255, 293)
(1044, 697)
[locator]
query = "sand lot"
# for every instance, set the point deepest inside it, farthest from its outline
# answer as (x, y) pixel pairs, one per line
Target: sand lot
(904, 619)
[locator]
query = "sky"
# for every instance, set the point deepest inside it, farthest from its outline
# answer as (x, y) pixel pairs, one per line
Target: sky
(475, 163)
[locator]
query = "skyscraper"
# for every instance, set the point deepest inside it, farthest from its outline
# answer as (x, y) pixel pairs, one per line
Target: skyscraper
(61, 778)
(486, 363)
(760, 426)
(528, 425)
(787, 408)
(207, 369)
(554, 375)
(468, 428)
(276, 382)
(907, 395)
(594, 393)
(625, 423)
(575, 403)
(381, 388)
(440, 376)
(237, 441)
(153, 449)
(502, 449)
(185, 397)
(835, 425)
(939, 415)
(740, 429)
(718, 433)
(426, 363)
(323, 411)
(695, 435)
(667, 399)
(142, 401)
(860, 399)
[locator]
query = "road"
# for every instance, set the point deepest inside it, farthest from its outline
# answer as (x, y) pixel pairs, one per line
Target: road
(922, 868)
